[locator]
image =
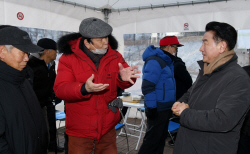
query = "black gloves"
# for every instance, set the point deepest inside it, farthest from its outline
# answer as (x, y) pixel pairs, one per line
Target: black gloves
(115, 103)
(151, 113)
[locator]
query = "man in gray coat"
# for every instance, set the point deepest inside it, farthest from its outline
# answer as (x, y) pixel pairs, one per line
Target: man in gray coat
(212, 111)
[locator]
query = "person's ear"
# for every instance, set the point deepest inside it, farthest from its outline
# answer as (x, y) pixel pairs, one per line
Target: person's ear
(3, 50)
(166, 48)
(46, 51)
(222, 46)
(86, 43)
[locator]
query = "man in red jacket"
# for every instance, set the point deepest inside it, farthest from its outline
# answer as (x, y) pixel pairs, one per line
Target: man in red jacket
(89, 72)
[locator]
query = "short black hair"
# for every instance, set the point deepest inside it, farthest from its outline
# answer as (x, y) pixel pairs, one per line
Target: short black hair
(163, 47)
(223, 32)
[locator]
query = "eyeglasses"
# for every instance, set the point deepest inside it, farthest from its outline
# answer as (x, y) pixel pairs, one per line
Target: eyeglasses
(176, 48)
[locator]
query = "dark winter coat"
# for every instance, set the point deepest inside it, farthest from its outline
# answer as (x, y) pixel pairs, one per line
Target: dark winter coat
(43, 80)
(246, 125)
(87, 115)
(158, 85)
(182, 77)
(218, 103)
(22, 125)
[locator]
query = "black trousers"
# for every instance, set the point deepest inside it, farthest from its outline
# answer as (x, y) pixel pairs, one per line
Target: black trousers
(156, 133)
(66, 147)
(51, 115)
(244, 144)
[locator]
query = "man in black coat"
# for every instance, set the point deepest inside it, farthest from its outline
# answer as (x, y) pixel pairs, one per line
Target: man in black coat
(43, 66)
(22, 125)
(244, 143)
(183, 80)
(214, 108)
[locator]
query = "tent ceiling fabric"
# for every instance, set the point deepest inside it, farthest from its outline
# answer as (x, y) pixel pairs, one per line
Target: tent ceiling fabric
(127, 5)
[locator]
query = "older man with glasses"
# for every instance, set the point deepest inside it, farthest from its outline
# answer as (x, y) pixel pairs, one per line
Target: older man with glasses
(89, 72)
(169, 45)
(22, 125)
(159, 88)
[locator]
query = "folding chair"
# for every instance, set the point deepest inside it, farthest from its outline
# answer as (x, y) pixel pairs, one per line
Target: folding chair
(61, 117)
(142, 110)
(118, 126)
(173, 128)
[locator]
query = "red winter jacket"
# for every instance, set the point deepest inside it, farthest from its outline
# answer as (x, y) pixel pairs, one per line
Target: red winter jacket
(88, 116)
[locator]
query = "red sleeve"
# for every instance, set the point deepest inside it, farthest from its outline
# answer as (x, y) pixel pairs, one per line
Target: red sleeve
(66, 87)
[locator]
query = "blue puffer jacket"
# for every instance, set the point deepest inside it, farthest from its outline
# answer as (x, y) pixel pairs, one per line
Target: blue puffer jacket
(158, 85)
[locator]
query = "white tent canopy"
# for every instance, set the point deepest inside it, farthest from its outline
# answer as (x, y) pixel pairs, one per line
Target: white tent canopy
(126, 5)
(54, 15)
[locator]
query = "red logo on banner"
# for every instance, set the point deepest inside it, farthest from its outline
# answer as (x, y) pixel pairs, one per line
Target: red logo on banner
(186, 26)
(20, 16)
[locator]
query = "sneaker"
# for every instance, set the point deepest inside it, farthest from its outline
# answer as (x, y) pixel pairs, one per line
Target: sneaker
(59, 149)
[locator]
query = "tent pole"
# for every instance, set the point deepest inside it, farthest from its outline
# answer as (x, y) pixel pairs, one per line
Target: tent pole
(106, 14)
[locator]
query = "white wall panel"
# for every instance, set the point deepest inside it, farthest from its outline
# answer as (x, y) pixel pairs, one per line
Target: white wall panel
(44, 14)
(2, 16)
(172, 19)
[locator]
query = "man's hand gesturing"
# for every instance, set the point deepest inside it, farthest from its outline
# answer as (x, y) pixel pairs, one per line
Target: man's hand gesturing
(93, 87)
(128, 73)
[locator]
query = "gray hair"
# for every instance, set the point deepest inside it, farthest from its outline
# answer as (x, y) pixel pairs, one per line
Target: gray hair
(9, 47)
(41, 53)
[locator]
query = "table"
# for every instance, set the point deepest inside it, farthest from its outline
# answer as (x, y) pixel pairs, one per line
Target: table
(139, 127)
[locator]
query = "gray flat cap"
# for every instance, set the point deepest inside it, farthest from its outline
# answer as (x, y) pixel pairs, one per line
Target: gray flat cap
(94, 28)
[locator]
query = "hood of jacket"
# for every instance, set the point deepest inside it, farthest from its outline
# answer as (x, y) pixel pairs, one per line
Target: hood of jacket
(154, 51)
(65, 42)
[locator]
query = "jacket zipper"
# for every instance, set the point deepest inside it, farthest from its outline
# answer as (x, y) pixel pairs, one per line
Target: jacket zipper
(97, 81)
(97, 71)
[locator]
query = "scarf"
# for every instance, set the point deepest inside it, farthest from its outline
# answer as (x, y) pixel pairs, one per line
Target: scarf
(94, 57)
(218, 61)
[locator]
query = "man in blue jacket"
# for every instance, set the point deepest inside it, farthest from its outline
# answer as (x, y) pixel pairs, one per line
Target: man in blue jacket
(158, 87)
(182, 77)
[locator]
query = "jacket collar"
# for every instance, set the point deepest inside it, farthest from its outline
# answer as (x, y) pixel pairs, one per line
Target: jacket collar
(218, 61)
(9, 74)
(37, 59)
(169, 54)
(65, 43)
(230, 62)
(154, 51)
